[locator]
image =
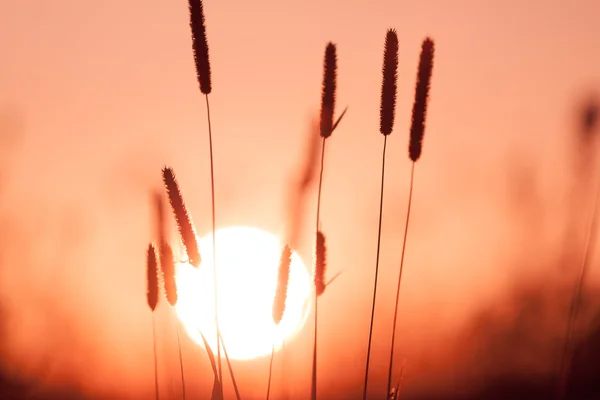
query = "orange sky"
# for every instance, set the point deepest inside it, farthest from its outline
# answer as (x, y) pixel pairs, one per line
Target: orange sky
(108, 94)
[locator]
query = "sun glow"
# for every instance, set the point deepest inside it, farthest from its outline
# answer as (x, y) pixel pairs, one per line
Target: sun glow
(247, 262)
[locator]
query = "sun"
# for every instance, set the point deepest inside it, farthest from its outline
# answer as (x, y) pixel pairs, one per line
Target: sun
(247, 262)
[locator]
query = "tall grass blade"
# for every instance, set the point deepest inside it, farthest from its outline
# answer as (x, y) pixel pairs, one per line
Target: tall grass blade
(387, 113)
(180, 355)
(217, 393)
(337, 121)
(270, 372)
(233, 381)
(155, 358)
(417, 131)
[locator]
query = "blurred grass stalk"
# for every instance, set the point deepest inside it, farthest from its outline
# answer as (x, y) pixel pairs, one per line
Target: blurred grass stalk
(588, 125)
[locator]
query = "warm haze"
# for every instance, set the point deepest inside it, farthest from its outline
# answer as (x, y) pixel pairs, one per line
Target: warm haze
(97, 96)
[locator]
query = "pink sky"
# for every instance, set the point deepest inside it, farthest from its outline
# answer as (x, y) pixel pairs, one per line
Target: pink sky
(108, 95)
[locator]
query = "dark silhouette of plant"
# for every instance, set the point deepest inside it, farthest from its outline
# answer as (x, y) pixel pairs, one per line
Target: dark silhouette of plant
(326, 129)
(217, 391)
(202, 62)
(167, 262)
(233, 381)
(417, 130)
(588, 125)
(184, 222)
(152, 297)
(387, 113)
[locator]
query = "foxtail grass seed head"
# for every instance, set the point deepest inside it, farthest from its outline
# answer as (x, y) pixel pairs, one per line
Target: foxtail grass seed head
(320, 263)
(419, 112)
(184, 223)
(283, 278)
(167, 266)
(200, 45)
(389, 84)
(329, 86)
(152, 278)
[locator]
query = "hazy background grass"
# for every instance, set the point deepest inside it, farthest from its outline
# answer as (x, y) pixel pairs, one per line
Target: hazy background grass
(106, 95)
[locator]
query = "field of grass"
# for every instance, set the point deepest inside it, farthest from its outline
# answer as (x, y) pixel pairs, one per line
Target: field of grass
(557, 320)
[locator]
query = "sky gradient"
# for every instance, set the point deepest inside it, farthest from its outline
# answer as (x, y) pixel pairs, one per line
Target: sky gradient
(103, 94)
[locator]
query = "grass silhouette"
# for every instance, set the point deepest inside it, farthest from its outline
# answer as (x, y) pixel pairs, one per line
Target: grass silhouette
(387, 114)
(152, 297)
(588, 125)
(160, 257)
(202, 62)
(417, 130)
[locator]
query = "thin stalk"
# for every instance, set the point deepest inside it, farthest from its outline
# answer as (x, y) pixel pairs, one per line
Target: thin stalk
(233, 381)
(212, 193)
(412, 175)
(574, 309)
(314, 367)
(180, 357)
(313, 391)
(270, 372)
(155, 360)
(376, 270)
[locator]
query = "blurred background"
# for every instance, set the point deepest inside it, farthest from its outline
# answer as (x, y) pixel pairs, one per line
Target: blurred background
(95, 97)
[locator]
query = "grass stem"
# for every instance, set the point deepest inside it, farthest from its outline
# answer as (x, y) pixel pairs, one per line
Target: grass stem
(212, 193)
(180, 357)
(376, 270)
(412, 175)
(270, 372)
(568, 348)
(155, 359)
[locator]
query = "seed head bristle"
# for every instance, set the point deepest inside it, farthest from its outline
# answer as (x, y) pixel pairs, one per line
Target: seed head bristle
(184, 223)
(419, 112)
(283, 278)
(167, 266)
(389, 85)
(152, 278)
(200, 45)
(320, 263)
(329, 87)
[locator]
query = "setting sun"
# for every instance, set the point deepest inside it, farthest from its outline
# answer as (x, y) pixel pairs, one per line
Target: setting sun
(247, 260)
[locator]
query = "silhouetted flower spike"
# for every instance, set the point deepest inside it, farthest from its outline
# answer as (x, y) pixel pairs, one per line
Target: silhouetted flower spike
(389, 86)
(200, 45)
(329, 87)
(152, 278)
(168, 274)
(184, 223)
(320, 264)
(283, 278)
(419, 112)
